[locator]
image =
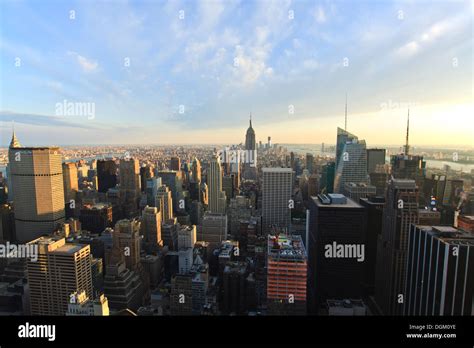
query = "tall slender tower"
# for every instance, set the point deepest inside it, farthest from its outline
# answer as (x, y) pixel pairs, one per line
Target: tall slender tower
(36, 175)
(249, 167)
(407, 147)
(345, 116)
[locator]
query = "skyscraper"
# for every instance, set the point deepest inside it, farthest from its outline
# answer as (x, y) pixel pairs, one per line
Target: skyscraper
(276, 195)
(196, 170)
(250, 170)
(129, 185)
(61, 270)
(164, 202)
(151, 226)
(36, 176)
(71, 184)
(439, 277)
(175, 164)
(375, 157)
(336, 223)
(217, 197)
(106, 174)
(351, 160)
(401, 210)
(126, 240)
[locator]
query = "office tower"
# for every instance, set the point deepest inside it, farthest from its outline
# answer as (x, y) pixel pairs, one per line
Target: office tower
(375, 157)
(129, 186)
(185, 260)
(248, 233)
(123, 288)
(181, 297)
(81, 305)
(269, 142)
(172, 180)
(196, 170)
(7, 223)
(356, 191)
(217, 198)
(146, 173)
(234, 291)
(169, 233)
(126, 239)
(175, 164)
(239, 209)
(351, 160)
(439, 277)
(187, 236)
(401, 210)
(61, 269)
(36, 176)
(228, 186)
(70, 181)
(327, 177)
(151, 226)
(214, 228)
(286, 275)
(96, 218)
(337, 252)
(164, 202)
(466, 223)
(408, 167)
(276, 195)
(152, 186)
(310, 163)
(313, 185)
(379, 180)
(373, 206)
(107, 174)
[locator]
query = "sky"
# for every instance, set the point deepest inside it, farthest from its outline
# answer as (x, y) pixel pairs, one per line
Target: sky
(183, 72)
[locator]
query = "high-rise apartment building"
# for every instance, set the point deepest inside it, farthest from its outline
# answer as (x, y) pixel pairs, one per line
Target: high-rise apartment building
(126, 239)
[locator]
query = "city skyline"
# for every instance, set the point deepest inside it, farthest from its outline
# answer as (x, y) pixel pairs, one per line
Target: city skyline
(195, 75)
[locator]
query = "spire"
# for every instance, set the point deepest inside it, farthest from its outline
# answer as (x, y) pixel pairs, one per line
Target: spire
(345, 116)
(14, 143)
(250, 120)
(407, 147)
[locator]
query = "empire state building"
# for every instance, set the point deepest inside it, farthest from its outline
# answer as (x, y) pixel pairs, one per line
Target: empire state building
(250, 143)
(249, 167)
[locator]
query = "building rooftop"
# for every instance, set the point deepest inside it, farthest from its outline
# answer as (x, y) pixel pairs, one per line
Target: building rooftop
(334, 200)
(286, 246)
(277, 170)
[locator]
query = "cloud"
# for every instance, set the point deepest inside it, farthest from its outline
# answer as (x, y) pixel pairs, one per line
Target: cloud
(87, 65)
(320, 15)
(42, 120)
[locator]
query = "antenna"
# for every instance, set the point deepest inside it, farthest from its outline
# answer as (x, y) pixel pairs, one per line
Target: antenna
(407, 147)
(345, 116)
